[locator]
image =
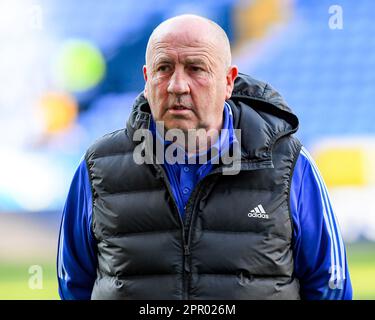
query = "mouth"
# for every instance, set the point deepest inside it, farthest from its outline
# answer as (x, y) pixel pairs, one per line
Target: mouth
(179, 109)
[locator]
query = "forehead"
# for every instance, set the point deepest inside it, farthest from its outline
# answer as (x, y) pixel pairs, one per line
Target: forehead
(182, 45)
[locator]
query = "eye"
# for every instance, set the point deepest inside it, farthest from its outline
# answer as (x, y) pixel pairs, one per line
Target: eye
(163, 68)
(196, 68)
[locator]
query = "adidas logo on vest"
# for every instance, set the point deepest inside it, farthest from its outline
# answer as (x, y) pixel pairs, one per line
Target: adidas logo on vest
(258, 212)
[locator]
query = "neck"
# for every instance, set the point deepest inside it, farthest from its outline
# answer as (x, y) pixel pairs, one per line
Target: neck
(195, 141)
(200, 140)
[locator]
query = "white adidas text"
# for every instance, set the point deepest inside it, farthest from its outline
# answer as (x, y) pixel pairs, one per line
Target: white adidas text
(258, 212)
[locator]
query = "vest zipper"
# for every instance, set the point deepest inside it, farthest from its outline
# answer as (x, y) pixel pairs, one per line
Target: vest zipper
(186, 250)
(192, 202)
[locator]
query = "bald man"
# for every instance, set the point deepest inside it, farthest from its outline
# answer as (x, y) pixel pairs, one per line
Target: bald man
(206, 194)
(189, 75)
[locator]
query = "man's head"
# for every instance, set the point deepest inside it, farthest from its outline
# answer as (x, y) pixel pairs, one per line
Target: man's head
(188, 73)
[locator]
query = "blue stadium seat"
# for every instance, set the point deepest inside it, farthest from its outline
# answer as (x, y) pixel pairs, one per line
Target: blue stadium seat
(327, 76)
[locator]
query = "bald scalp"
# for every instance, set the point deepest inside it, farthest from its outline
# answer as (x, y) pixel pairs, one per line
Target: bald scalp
(193, 25)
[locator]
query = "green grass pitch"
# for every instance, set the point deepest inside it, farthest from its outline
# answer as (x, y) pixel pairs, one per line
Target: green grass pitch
(14, 277)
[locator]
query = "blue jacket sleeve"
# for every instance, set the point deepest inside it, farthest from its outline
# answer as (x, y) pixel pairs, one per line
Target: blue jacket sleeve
(76, 257)
(319, 252)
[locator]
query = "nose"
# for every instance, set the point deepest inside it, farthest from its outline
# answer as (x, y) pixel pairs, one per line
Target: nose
(178, 83)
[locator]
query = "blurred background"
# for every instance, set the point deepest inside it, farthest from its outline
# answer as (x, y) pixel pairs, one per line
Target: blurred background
(70, 71)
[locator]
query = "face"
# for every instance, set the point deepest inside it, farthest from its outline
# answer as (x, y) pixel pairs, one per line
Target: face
(187, 82)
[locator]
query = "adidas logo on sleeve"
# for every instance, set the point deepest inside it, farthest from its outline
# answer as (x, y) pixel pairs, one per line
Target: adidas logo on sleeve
(258, 212)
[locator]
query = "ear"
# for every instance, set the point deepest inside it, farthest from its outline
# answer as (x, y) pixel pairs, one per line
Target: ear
(231, 76)
(145, 77)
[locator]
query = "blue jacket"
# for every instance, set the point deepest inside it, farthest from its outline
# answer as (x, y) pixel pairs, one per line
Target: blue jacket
(320, 261)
